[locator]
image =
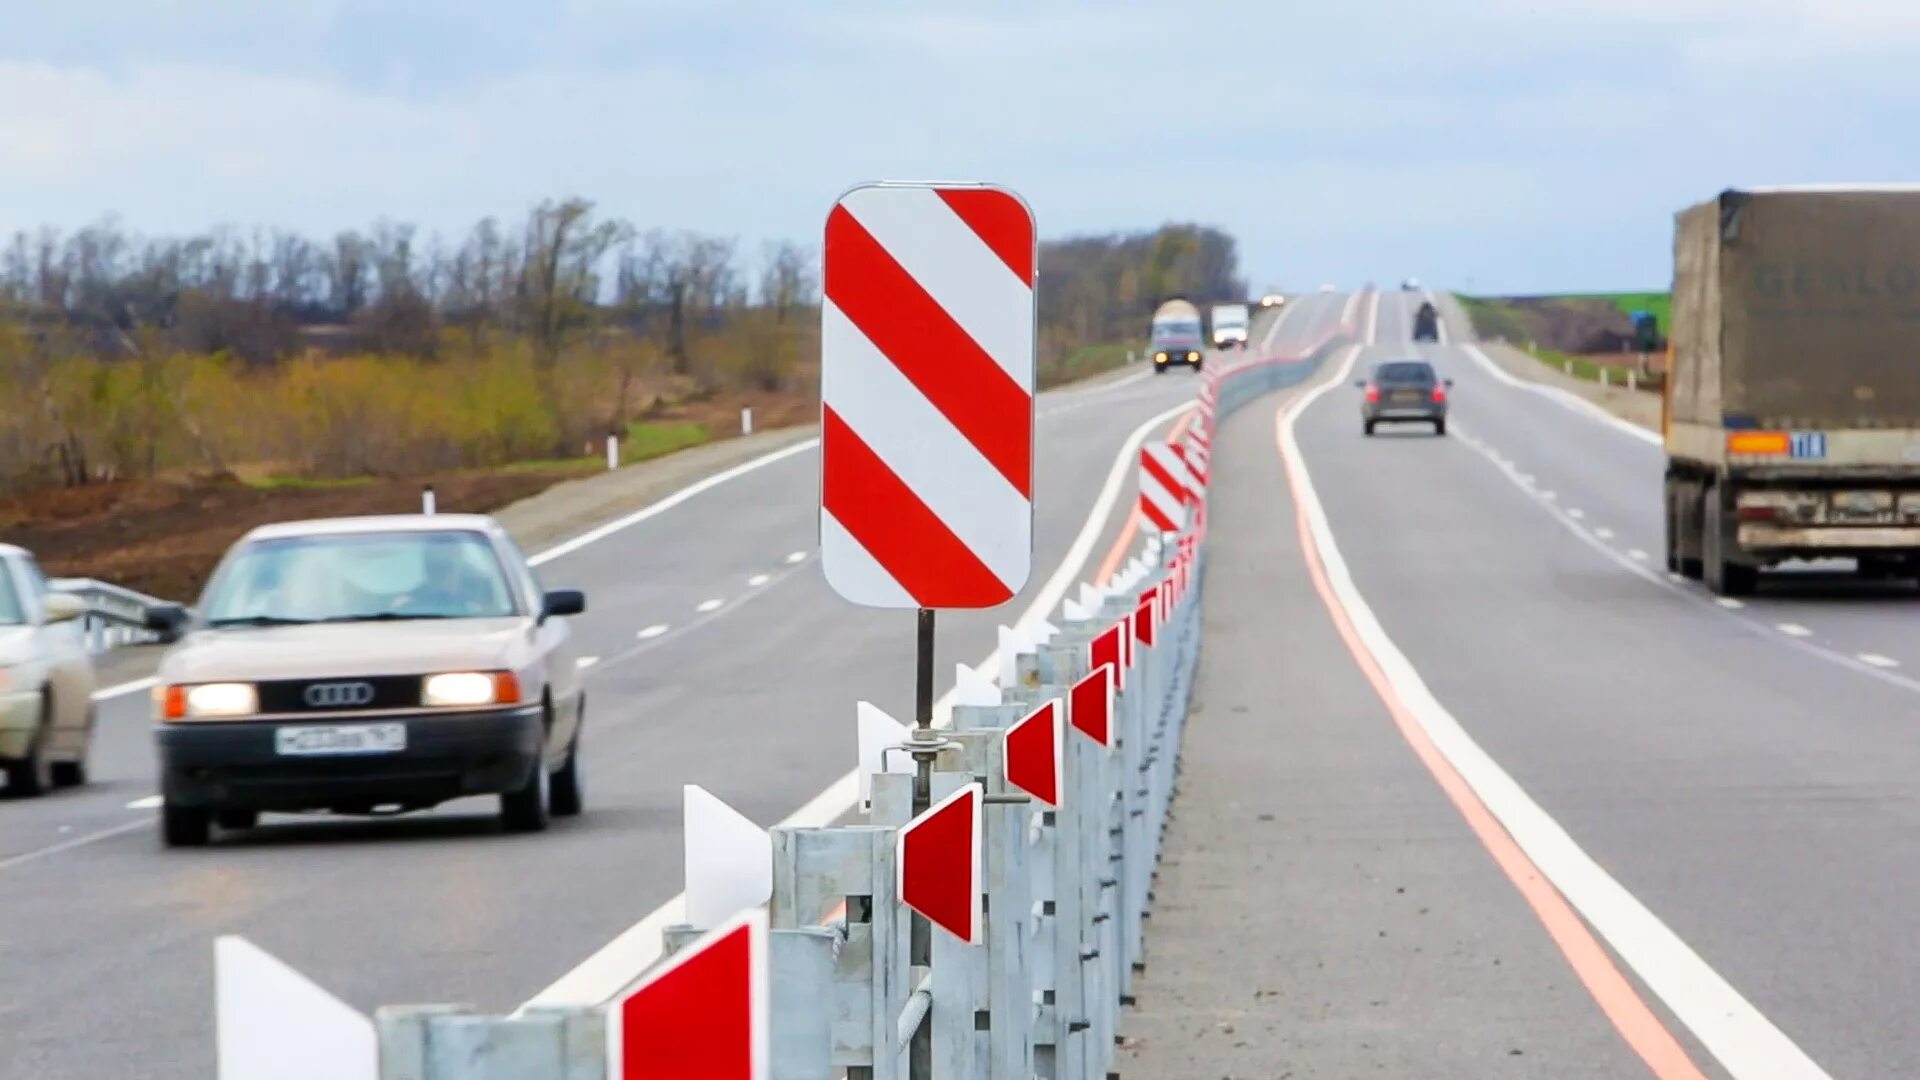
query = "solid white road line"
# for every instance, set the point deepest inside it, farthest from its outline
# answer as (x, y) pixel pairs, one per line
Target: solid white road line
(1729, 603)
(123, 689)
(1794, 630)
(1576, 513)
(617, 963)
(79, 841)
(653, 631)
(1745, 1042)
(1603, 532)
(1877, 660)
(1566, 399)
(1636, 553)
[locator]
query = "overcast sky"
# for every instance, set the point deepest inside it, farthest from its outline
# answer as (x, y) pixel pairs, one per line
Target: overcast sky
(1492, 145)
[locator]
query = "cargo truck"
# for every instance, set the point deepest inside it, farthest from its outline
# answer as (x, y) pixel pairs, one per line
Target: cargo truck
(1230, 326)
(1791, 409)
(1174, 337)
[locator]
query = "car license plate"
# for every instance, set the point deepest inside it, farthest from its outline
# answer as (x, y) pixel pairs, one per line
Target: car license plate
(339, 739)
(1406, 397)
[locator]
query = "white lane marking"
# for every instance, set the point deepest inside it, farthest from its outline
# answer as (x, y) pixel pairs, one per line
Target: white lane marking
(1729, 603)
(758, 580)
(709, 605)
(1636, 553)
(1549, 495)
(1793, 630)
(601, 532)
(653, 631)
(1877, 660)
(1373, 321)
(603, 974)
(83, 840)
(1679, 586)
(1565, 398)
(1273, 328)
(123, 689)
(586, 662)
(1745, 1042)
(1603, 533)
(796, 558)
(1526, 478)
(145, 802)
(1576, 513)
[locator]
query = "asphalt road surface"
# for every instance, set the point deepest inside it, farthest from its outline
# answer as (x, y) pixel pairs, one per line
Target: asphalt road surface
(1722, 796)
(720, 658)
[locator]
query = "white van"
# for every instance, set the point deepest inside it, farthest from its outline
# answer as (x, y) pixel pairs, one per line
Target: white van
(1230, 323)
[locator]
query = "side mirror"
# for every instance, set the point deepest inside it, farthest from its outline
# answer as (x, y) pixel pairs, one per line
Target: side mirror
(1448, 382)
(62, 607)
(563, 602)
(1359, 384)
(167, 620)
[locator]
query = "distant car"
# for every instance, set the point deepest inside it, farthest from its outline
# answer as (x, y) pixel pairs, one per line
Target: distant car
(1404, 391)
(1326, 288)
(1426, 324)
(46, 680)
(1410, 285)
(1273, 300)
(369, 666)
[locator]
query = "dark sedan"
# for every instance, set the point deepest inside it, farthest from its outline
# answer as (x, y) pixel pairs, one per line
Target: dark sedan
(1404, 391)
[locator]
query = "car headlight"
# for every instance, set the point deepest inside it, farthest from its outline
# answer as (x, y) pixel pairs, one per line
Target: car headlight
(1160, 358)
(456, 689)
(207, 701)
(1193, 356)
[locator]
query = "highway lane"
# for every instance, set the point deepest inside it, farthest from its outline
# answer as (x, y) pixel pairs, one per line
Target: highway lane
(755, 702)
(1754, 790)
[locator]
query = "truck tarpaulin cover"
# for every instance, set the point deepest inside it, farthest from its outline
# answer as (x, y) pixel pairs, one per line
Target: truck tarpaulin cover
(1799, 309)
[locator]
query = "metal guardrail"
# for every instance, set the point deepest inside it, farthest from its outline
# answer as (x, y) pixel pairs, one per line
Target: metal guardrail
(1066, 891)
(115, 616)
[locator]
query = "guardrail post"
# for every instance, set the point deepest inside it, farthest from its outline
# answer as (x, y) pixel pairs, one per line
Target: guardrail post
(846, 876)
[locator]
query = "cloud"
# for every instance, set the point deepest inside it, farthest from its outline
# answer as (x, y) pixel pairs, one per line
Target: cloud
(1521, 142)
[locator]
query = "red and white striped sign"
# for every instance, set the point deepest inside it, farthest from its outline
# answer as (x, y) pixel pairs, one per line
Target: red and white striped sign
(1196, 476)
(1164, 487)
(926, 386)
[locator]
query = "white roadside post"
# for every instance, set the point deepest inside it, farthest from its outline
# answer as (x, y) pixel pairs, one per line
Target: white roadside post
(746, 420)
(426, 500)
(613, 452)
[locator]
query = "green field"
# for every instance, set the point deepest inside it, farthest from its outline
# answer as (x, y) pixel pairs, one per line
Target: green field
(1659, 303)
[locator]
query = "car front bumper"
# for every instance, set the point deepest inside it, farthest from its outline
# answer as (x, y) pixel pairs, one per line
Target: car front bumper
(447, 755)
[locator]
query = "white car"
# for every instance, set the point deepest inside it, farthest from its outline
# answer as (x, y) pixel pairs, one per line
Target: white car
(1273, 300)
(1326, 288)
(46, 680)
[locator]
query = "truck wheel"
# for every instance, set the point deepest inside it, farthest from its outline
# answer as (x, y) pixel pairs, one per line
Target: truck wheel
(1684, 531)
(1723, 578)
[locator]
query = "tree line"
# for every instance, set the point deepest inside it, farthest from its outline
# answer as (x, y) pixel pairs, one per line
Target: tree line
(388, 351)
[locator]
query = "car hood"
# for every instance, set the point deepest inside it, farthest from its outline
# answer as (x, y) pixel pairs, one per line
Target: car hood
(255, 654)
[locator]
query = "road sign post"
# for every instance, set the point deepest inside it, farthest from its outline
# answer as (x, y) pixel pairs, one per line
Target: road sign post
(927, 383)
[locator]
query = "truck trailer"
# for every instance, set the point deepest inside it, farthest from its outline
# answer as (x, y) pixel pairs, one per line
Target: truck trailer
(1791, 410)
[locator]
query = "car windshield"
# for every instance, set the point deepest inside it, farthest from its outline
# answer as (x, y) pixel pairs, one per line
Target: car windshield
(1407, 372)
(360, 577)
(1176, 330)
(11, 613)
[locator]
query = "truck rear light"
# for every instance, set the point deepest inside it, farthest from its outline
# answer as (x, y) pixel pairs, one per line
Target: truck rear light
(1759, 513)
(1799, 507)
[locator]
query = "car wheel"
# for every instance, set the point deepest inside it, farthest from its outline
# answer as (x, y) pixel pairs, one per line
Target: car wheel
(185, 826)
(568, 795)
(1366, 427)
(69, 773)
(527, 808)
(1439, 427)
(236, 819)
(33, 774)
